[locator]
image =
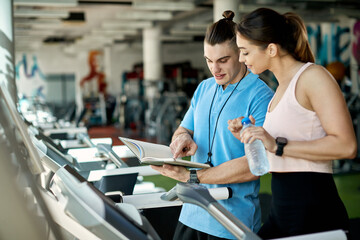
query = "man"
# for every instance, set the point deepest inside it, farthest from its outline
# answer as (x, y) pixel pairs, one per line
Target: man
(232, 92)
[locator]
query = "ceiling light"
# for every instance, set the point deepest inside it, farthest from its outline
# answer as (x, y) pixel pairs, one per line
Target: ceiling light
(46, 3)
(32, 32)
(163, 5)
(131, 24)
(103, 38)
(48, 26)
(144, 15)
(40, 13)
(107, 35)
(109, 32)
(37, 20)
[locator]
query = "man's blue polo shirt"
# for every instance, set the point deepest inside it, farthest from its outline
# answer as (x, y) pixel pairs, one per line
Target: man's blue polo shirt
(250, 98)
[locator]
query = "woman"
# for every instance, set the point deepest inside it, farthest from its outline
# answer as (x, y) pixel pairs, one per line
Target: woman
(307, 125)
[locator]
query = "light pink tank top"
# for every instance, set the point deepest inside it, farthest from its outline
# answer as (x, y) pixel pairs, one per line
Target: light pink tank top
(296, 123)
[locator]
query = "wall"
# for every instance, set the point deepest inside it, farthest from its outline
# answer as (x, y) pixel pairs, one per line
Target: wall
(117, 58)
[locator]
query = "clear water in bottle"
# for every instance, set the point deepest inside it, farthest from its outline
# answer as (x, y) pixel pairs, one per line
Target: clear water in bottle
(255, 154)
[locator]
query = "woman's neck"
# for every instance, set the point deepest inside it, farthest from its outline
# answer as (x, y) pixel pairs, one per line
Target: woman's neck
(285, 68)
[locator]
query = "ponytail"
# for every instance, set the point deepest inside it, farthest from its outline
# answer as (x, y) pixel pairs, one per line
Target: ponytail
(302, 51)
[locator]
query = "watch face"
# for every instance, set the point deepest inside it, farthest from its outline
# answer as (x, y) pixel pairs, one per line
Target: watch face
(281, 140)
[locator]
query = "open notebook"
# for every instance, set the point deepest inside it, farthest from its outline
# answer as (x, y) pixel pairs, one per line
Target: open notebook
(157, 154)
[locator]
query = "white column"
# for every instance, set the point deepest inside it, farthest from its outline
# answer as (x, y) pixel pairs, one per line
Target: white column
(153, 67)
(222, 5)
(7, 69)
(107, 60)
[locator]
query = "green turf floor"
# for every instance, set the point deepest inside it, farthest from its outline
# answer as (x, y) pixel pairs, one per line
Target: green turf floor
(348, 186)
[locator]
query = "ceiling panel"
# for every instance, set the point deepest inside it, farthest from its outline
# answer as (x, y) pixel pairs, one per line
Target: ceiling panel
(112, 21)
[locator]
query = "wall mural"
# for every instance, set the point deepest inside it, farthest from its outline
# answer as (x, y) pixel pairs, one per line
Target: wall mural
(30, 78)
(95, 62)
(35, 69)
(356, 44)
(333, 48)
(330, 43)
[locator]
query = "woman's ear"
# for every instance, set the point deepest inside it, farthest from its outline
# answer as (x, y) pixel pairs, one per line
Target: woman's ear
(272, 49)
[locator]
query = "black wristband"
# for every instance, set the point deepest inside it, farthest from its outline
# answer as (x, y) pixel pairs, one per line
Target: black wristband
(193, 177)
(281, 143)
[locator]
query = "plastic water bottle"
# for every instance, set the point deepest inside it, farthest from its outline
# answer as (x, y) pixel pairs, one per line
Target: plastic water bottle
(255, 153)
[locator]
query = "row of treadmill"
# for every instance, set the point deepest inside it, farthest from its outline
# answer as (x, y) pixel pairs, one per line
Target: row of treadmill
(58, 183)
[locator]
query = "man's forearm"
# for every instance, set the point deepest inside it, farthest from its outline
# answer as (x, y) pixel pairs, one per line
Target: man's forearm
(180, 131)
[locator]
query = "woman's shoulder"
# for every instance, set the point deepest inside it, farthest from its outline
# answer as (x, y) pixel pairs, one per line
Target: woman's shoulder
(315, 71)
(316, 79)
(315, 75)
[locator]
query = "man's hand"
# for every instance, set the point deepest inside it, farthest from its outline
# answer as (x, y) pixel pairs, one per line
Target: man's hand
(235, 126)
(183, 145)
(175, 172)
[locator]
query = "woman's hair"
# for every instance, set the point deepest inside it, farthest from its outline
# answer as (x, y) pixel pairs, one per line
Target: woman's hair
(264, 26)
(222, 30)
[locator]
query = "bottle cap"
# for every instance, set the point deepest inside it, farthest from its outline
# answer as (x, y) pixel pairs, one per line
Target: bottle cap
(245, 120)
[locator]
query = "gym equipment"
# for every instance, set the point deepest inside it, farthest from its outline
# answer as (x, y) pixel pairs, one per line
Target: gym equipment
(97, 171)
(103, 149)
(95, 211)
(152, 206)
(199, 195)
(168, 199)
(107, 150)
(63, 159)
(166, 115)
(20, 158)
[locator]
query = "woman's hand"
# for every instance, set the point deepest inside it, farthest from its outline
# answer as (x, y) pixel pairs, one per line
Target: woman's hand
(251, 133)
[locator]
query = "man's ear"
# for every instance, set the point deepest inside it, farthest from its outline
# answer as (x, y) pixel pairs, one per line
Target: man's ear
(272, 49)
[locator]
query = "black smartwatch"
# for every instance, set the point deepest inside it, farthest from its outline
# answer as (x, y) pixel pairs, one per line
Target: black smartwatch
(193, 177)
(281, 143)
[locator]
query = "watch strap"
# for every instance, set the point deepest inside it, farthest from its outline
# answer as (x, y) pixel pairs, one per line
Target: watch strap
(193, 177)
(279, 150)
(280, 143)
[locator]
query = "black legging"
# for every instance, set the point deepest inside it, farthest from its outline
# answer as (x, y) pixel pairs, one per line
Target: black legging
(184, 232)
(303, 202)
